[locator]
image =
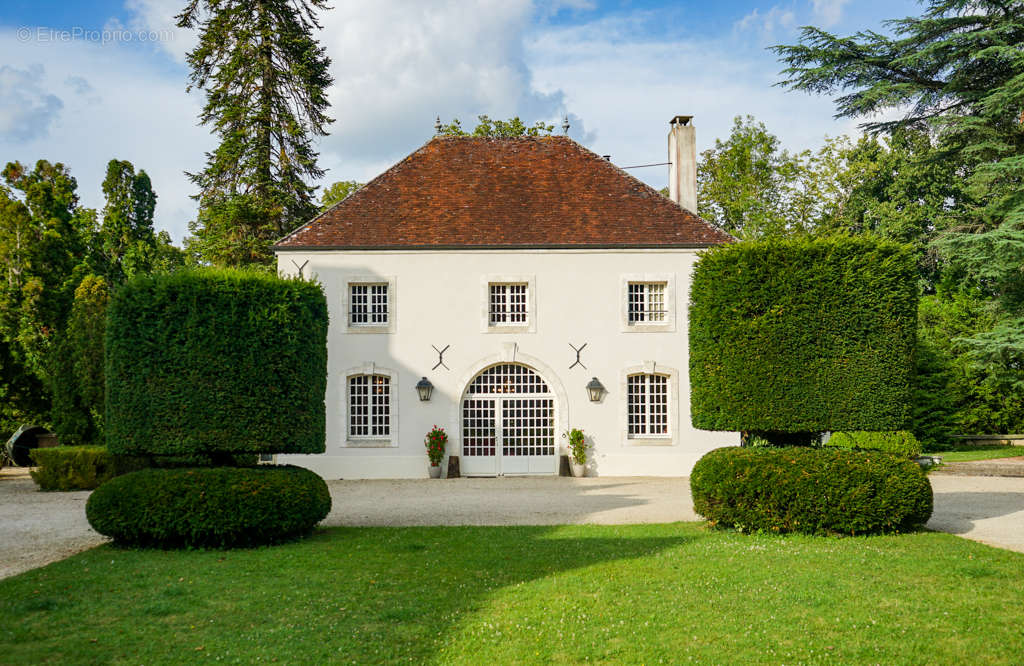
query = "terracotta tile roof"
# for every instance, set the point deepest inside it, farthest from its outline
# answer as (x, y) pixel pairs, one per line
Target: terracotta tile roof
(471, 192)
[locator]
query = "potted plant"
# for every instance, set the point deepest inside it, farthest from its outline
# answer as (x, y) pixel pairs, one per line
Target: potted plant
(435, 442)
(577, 452)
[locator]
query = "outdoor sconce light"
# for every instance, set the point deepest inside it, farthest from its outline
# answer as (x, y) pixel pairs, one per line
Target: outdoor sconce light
(424, 388)
(595, 390)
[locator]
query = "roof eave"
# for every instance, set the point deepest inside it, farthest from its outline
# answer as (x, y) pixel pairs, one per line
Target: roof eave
(553, 246)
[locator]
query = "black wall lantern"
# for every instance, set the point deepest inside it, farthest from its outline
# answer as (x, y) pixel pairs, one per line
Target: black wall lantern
(595, 390)
(424, 388)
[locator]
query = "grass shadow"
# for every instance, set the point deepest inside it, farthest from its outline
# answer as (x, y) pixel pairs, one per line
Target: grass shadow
(366, 595)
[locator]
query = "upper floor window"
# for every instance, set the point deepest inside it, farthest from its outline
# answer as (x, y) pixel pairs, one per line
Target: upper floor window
(646, 303)
(369, 406)
(507, 304)
(368, 304)
(647, 402)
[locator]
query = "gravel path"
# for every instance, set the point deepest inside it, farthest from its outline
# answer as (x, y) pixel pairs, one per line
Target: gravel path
(39, 528)
(511, 501)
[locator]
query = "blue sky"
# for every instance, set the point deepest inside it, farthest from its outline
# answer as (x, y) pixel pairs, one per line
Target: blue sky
(84, 82)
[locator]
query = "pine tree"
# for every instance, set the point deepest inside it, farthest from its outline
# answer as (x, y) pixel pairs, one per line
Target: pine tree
(264, 75)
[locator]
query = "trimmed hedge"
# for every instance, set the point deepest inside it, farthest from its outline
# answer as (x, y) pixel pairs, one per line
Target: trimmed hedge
(218, 507)
(216, 362)
(900, 442)
(803, 335)
(815, 491)
(88, 467)
(73, 467)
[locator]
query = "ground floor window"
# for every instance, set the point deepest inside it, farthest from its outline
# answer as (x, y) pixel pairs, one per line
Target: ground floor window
(647, 401)
(369, 406)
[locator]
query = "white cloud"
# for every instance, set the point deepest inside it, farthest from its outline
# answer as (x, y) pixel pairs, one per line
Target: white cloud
(159, 16)
(629, 86)
(117, 103)
(406, 62)
(27, 109)
(828, 13)
(769, 25)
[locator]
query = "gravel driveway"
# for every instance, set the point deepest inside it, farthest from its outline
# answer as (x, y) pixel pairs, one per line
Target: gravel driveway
(39, 528)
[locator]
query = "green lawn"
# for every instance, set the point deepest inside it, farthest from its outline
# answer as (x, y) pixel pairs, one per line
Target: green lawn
(979, 453)
(527, 595)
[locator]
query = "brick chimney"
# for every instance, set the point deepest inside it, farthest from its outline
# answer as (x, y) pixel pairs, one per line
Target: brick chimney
(682, 159)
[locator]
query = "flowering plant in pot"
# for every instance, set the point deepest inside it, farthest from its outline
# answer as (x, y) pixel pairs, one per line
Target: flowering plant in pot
(435, 443)
(577, 451)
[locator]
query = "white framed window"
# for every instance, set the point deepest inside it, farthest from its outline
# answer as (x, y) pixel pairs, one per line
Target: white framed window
(506, 305)
(509, 304)
(650, 406)
(647, 405)
(648, 302)
(370, 406)
(368, 304)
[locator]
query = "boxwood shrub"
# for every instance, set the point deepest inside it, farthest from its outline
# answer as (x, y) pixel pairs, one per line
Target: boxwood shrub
(803, 336)
(74, 467)
(209, 507)
(815, 491)
(900, 442)
(216, 362)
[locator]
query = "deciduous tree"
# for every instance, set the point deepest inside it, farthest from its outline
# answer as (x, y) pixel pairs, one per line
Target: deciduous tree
(501, 129)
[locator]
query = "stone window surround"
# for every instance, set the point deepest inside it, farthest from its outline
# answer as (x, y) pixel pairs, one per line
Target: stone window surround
(649, 368)
(372, 442)
(346, 295)
(667, 326)
(531, 303)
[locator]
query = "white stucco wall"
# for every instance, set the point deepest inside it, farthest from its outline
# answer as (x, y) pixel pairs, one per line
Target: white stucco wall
(578, 297)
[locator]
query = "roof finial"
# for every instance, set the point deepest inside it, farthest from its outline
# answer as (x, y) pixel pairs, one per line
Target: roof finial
(437, 125)
(565, 124)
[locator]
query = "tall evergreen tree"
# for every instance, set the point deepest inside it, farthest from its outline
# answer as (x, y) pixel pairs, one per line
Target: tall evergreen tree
(264, 75)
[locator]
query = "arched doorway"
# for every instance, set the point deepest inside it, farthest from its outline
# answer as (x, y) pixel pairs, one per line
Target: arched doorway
(508, 423)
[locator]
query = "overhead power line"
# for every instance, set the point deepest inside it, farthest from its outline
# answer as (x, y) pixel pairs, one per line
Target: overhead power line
(640, 166)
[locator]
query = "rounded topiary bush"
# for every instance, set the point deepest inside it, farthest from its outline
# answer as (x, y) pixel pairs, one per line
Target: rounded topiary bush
(213, 507)
(815, 491)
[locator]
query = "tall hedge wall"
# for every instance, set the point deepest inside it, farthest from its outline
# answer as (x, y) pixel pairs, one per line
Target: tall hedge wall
(803, 335)
(216, 362)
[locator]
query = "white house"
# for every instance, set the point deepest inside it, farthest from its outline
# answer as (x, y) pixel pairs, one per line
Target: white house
(509, 273)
